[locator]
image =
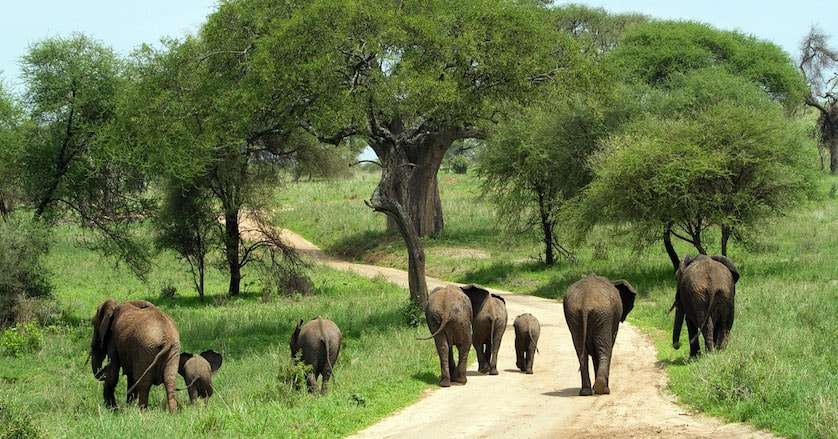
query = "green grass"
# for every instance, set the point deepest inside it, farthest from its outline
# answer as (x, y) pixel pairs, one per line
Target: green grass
(381, 366)
(780, 371)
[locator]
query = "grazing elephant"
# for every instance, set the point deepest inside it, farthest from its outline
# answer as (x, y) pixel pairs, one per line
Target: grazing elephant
(142, 342)
(488, 326)
(318, 343)
(705, 293)
(197, 372)
(527, 331)
(449, 316)
(593, 309)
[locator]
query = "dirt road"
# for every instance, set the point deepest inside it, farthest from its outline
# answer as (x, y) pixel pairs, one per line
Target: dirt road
(545, 404)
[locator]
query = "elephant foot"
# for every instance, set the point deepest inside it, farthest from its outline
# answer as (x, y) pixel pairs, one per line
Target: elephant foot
(529, 372)
(483, 370)
(461, 380)
(493, 372)
(585, 391)
(444, 382)
(600, 388)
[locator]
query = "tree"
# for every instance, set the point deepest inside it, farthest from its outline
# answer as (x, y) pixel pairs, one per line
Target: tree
(819, 65)
(67, 168)
(411, 78)
(595, 30)
(11, 121)
(716, 150)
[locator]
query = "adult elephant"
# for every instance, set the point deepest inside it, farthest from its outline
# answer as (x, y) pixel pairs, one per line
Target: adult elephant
(449, 315)
(142, 342)
(488, 326)
(317, 343)
(593, 309)
(705, 297)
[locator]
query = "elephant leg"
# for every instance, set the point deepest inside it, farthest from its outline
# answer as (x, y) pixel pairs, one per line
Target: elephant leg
(530, 357)
(324, 387)
(170, 382)
(131, 396)
(602, 353)
(708, 330)
(311, 382)
(193, 394)
(482, 362)
(493, 362)
(452, 365)
(692, 331)
(442, 350)
(520, 354)
(586, 378)
(143, 394)
(111, 381)
(462, 364)
(595, 361)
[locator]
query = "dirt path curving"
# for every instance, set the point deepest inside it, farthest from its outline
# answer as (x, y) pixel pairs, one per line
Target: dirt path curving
(545, 404)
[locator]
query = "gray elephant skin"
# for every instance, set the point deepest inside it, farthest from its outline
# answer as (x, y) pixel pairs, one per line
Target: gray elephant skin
(318, 344)
(142, 342)
(488, 326)
(705, 297)
(197, 372)
(593, 309)
(527, 331)
(449, 317)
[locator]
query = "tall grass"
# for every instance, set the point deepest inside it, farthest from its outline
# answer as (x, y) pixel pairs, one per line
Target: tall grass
(381, 367)
(779, 371)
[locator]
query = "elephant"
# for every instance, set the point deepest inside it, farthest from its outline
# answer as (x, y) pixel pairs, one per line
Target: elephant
(318, 344)
(705, 297)
(142, 342)
(197, 372)
(488, 326)
(527, 331)
(449, 316)
(593, 309)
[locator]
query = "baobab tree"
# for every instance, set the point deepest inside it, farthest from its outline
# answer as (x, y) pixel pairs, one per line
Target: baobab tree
(819, 65)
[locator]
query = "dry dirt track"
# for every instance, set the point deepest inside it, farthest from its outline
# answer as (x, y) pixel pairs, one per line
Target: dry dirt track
(545, 404)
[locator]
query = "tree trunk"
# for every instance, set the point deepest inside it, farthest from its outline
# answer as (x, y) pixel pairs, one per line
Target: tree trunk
(833, 154)
(231, 246)
(670, 249)
(423, 202)
(725, 238)
(388, 198)
(547, 229)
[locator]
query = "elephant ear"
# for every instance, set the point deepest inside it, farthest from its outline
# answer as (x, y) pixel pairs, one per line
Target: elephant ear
(477, 295)
(724, 260)
(184, 357)
(214, 359)
(294, 337)
(686, 263)
(104, 321)
(499, 298)
(627, 295)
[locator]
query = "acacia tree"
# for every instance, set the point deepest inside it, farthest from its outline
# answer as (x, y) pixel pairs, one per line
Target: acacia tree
(411, 78)
(717, 151)
(11, 120)
(819, 65)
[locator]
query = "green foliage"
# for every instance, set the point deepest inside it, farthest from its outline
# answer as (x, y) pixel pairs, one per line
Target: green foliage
(413, 314)
(291, 376)
(459, 164)
(652, 53)
(595, 30)
(23, 246)
(21, 338)
(11, 142)
(17, 424)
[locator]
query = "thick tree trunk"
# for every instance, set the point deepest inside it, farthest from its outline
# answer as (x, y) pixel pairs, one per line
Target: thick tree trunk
(833, 154)
(423, 202)
(725, 238)
(547, 230)
(231, 247)
(670, 249)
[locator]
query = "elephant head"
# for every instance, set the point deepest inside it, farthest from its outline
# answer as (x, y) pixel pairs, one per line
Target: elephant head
(724, 260)
(477, 295)
(101, 323)
(213, 358)
(295, 337)
(627, 295)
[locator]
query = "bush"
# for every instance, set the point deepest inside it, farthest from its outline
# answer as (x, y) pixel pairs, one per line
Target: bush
(412, 314)
(23, 244)
(459, 165)
(17, 425)
(168, 291)
(21, 339)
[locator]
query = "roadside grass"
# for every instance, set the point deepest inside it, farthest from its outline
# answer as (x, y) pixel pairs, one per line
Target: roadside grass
(381, 366)
(780, 371)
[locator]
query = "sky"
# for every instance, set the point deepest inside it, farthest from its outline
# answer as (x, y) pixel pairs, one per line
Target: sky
(125, 24)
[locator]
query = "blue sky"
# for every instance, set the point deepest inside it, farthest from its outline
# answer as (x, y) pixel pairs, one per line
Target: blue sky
(124, 24)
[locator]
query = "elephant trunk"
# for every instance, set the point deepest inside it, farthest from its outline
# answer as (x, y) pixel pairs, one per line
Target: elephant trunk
(97, 356)
(676, 329)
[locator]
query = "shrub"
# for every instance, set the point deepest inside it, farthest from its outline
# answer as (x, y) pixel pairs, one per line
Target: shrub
(23, 244)
(21, 339)
(459, 165)
(412, 313)
(168, 291)
(17, 425)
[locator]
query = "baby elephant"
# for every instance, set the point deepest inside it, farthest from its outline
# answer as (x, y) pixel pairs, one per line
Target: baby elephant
(318, 344)
(527, 331)
(197, 372)
(593, 309)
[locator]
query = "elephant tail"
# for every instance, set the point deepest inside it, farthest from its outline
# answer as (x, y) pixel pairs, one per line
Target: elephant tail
(328, 355)
(441, 327)
(583, 353)
(706, 318)
(157, 357)
(532, 340)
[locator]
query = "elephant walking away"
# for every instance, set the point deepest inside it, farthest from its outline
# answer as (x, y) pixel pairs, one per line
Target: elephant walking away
(593, 309)
(449, 316)
(142, 342)
(705, 297)
(197, 372)
(527, 331)
(318, 344)
(488, 326)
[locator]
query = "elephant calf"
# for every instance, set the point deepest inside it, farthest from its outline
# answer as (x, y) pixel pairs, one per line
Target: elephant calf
(593, 309)
(449, 315)
(488, 326)
(318, 344)
(527, 331)
(197, 372)
(705, 296)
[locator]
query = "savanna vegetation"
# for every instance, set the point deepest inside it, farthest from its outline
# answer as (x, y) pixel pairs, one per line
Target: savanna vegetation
(557, 141)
